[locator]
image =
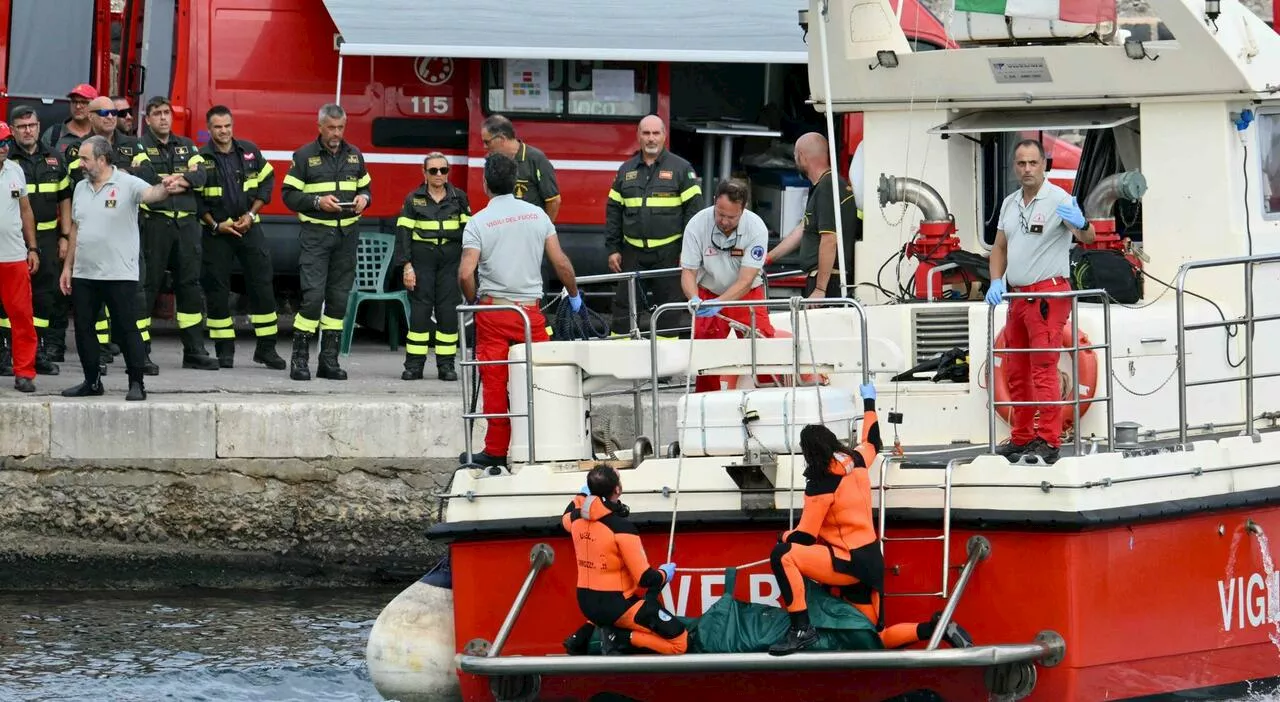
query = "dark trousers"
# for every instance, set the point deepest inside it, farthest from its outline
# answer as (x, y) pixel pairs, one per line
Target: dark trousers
(220, 251)
(173, 244)
(47, 301)
(436, 294)
(327, 270)
(651, 292)
(87, 299)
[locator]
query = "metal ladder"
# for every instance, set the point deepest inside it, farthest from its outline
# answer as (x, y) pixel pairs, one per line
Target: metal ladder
(944, 537)
(468, 416)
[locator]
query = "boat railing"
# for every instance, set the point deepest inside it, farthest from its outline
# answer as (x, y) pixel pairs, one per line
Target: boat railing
(1248, 321)
(468, 414)
(1074, 350)
(630, 279)
(798, 307)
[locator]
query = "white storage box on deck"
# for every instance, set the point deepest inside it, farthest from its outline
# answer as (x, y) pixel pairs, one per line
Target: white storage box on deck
(710, 423)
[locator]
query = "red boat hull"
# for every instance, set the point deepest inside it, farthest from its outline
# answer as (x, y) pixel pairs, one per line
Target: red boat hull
(1145, 608)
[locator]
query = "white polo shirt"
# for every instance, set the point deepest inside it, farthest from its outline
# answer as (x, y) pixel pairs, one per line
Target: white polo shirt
(719, 258)
(13, 246)
(1039, 241)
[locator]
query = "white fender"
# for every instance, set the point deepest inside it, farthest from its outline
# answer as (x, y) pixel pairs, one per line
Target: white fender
(411, 647)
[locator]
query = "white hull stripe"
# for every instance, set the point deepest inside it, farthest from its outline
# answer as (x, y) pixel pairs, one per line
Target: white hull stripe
(458, 160)
(1060, 174)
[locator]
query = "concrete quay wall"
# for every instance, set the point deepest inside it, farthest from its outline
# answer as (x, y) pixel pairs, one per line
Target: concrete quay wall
(233, 490)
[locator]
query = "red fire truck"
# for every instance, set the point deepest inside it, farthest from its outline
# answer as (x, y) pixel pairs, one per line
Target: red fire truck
(425, 81)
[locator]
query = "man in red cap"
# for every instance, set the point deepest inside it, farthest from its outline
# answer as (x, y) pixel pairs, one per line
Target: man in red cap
(67, 135)
(19, 259)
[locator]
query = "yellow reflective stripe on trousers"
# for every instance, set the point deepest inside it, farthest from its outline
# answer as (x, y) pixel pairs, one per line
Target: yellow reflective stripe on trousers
(446, 344)
(417, 343)
(210, 191)
(220, 328)
(328, 323)
(651, 243)
(46, 226)
(305, 325)
(40, 322)
(346, 222)
(187, 319)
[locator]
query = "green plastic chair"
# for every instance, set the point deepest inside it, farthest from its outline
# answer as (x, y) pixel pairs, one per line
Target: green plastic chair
(373, 258)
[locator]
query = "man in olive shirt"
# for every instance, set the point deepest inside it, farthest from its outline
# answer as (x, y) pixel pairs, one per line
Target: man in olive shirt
(816, 235)
(535, 176)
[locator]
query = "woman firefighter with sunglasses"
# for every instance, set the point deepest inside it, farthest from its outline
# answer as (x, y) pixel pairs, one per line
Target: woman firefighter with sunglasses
(429, 246)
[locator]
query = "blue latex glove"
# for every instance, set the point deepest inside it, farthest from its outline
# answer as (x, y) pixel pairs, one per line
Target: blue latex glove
(868, 391)
(584, 490)
(1071, 214)
(707, 310)
(996, 292)
(575, 302)
(669, 569)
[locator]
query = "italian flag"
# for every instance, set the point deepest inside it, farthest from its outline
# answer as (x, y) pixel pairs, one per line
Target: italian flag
(1080, 11)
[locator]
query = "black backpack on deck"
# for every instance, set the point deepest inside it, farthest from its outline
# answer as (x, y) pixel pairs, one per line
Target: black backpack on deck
(1108, 270)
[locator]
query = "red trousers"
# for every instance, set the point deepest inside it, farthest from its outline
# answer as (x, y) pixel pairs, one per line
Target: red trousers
(15, 296)
(716, 328)
(495, 333)
(1033, 377)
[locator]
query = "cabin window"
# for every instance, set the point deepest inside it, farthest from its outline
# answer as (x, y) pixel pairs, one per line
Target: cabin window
(581, 90)
(1269, 157)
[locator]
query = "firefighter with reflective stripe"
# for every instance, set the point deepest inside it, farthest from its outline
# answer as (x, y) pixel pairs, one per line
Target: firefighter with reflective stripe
(49, 192)
(429, 246)
(328, 186)
(653, 197)
(618, 590)
(535, 176)
(238, 182)
(103, 121)
(171, 226)
(835, 542)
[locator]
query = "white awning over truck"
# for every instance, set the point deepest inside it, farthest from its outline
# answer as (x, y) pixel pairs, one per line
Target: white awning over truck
(721, 31)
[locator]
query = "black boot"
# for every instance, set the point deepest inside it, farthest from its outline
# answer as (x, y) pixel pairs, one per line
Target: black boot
(444, 368)
(44, 366)
(56, 344)
(800, 636)
(265, 353)
(615, 642)
(85, 389)
(148, 366)
(413, 364)
(226, 352)
(137, 391)
(955, 635)
(327, 365)
(301, 353)
(6, 356)
(579, 642)
(194, 354)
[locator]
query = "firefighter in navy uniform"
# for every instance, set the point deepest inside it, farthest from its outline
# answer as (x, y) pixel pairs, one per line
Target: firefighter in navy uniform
(429, 247)
(653, 197)
(238, 182)
(49, 191)
(328, 186)
(171, 226)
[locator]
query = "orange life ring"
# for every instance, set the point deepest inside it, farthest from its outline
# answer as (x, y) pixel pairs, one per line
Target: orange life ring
(1088, 381)
(730, 382)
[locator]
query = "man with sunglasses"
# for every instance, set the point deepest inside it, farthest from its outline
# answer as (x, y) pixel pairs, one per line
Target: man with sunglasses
(49, 192)
(723, 252)
(124, 114)
(429, 246)
(238, 183)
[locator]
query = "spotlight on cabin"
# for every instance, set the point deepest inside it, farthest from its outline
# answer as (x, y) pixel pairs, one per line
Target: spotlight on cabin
(886, 59)
(1212, 9)
(1136, 50)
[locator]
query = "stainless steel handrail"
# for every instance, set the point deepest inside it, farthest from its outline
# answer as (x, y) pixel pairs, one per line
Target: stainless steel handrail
(469, 417)
(1248, 320)
(793, 303)
(1075, 350)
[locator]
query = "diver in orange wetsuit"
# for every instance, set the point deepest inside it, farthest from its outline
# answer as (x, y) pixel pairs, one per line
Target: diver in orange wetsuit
(835, 543)
(617, 589)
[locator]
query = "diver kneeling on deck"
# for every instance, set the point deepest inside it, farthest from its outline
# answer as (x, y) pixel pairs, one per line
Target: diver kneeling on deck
(617, 589)
(835, 543)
